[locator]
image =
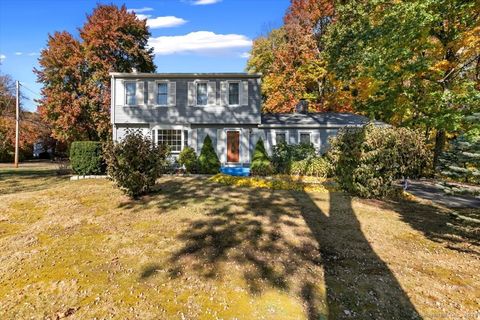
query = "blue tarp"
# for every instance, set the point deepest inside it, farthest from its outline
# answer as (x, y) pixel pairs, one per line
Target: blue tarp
(236, 171)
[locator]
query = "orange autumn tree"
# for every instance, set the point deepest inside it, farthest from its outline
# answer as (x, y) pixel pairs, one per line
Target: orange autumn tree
(75, 72)
(290, 60)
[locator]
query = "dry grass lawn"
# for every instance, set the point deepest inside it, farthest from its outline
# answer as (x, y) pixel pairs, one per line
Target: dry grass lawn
(199, 250)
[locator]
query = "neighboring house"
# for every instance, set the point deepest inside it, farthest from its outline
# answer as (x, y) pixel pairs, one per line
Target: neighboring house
(182, 109)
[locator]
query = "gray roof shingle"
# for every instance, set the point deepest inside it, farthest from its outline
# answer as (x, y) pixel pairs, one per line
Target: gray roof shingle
(318, 119)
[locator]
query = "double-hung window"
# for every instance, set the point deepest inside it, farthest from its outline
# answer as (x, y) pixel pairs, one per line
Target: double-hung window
(162, 93)
(305, 138)
(202, 94)
(233, 93)
(130, 93)
(170, 137)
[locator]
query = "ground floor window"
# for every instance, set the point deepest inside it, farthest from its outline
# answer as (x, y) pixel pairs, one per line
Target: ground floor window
(172, 138)
(280, 137)
(305, 138)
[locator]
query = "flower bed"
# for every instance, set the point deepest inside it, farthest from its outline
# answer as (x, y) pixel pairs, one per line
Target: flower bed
(282, 182)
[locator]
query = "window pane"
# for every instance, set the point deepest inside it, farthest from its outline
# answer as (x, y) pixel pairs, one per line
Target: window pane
(305, 138)
(233, 93)
(130, 93)
(172, 138)
(280, 138)
(162, 94)
(202, 94)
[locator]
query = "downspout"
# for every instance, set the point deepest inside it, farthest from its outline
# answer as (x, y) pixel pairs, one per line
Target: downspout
(112, 108)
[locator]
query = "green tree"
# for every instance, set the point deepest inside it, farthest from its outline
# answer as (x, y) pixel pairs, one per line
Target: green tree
(410, 63)
(208, 162)
(261, 164)
(462, 160)
(75, 72)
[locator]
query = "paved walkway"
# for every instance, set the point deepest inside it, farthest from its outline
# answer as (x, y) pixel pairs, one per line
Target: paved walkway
(427, 189)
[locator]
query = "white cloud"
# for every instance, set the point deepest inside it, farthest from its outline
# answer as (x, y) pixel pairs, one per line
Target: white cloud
(199, 41)
(18, 53)
(32, 54)
(165, 22)
(204, 2)
(161, 22)
(140, 10)
(2, 57)
(245, 55)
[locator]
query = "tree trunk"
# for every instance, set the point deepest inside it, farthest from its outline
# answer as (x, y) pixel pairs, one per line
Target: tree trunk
(440, 139)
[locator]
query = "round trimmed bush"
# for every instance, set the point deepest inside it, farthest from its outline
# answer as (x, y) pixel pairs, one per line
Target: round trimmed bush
(188, 158)
(86, 157)
(135, 163)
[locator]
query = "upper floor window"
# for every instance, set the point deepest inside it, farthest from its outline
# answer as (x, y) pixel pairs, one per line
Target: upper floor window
(233, 93)
(202, 96)
(130, 93)
(162, 93)
(305, 138)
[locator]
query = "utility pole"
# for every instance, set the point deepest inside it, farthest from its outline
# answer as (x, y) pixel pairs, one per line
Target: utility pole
(17, 123)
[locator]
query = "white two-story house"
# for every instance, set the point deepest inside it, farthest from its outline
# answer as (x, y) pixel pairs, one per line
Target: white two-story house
(182, 109)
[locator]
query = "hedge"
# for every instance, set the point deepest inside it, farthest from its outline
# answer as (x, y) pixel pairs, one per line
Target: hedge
(369, 159)
(316, 166)
(86, 157)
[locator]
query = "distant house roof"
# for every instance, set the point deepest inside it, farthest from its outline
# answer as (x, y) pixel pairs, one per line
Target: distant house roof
(311, 120)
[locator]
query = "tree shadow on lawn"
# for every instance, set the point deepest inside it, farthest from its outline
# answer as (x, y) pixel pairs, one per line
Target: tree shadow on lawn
(283, 240)
(171, 194)
(437, 224)
(27, 180)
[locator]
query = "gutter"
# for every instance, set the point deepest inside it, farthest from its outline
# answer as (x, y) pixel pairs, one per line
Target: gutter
(240, 75)
(302, 125)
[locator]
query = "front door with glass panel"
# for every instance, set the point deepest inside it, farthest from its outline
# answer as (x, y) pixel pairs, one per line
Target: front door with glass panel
(233, 146)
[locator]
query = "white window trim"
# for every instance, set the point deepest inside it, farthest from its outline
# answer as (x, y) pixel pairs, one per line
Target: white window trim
(154, 132)
(310, 133)
(280, 131)
(196, 82)
(239, 93)
(125, 93)
(240, 158)
(156, 93)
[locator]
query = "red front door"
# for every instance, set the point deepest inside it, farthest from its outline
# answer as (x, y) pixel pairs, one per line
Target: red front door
(233, 146)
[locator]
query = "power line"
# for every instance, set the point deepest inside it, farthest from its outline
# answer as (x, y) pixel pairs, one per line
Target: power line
(37, 94)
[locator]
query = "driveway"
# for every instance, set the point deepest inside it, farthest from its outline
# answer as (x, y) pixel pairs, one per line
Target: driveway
(426, 189)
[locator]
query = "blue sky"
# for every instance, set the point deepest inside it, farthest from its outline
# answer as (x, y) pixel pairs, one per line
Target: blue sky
(187, 35)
